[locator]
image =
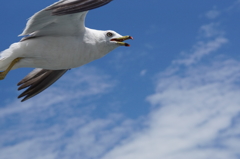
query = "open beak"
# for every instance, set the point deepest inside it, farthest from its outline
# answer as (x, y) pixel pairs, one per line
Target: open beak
(121, 40)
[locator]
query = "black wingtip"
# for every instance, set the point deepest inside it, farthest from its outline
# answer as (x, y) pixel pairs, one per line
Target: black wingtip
(24, 99)
(37, 81)
(76, 6)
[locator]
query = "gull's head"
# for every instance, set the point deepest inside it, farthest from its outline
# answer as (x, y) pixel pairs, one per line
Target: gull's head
(116, 39)
(106, 41)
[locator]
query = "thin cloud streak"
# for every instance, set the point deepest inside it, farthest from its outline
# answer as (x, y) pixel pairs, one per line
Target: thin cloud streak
(212, 14)
(212, 40)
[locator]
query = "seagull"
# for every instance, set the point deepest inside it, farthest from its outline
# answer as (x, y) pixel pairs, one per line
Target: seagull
(55, 40)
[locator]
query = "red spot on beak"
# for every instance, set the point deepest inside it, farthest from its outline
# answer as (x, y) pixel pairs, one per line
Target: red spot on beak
(127, 45)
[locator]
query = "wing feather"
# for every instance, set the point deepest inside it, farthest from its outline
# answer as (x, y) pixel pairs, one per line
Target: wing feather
(37, 81)
(66, 17)
(76, 6)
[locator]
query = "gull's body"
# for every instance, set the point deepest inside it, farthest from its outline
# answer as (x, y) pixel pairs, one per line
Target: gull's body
(56, 53)
(56, 41)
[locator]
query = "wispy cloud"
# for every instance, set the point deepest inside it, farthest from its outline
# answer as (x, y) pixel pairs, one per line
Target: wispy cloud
(143, 72)
(235, 6)
(211, 30)
(66, 137)
(194, 115)
(79, 84)
(194, 109)
(58, 123)
(202, 49)
(212, 39)
(212, 14)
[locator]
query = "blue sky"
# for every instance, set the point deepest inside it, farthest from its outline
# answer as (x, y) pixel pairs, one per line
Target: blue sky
(174, 94)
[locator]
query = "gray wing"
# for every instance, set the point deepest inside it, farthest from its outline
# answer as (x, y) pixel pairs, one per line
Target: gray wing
(37, 81)
(66, 17)
(75, 6)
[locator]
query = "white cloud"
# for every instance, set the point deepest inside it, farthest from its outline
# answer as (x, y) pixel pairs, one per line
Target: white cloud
(79, 84)
(235, 6)
(212, 39)
(192, 117)
(143, 72)
(211, 30)
(202, 49)
(212, 14)
(74, 137)
(195, 108)
(58, 122)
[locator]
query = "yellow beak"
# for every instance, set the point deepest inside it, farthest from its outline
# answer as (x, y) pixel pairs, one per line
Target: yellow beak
(121, 39)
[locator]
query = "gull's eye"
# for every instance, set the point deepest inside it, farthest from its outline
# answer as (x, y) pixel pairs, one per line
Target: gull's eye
(109, 34)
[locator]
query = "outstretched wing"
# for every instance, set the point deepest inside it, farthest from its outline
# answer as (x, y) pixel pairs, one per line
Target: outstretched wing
(37, 81)
(66, 17)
